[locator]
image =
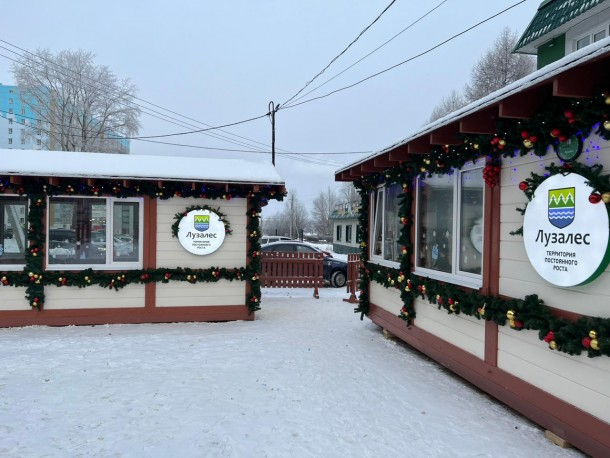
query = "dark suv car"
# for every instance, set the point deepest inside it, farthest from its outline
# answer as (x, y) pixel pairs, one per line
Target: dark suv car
(335, 270)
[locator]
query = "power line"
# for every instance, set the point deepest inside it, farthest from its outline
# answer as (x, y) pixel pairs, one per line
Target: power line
(341, 53)
(123, 93)
(288, 155)
(405, 61)
(370, 53)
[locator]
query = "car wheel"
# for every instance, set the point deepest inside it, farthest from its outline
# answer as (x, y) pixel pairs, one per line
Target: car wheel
(338, 279)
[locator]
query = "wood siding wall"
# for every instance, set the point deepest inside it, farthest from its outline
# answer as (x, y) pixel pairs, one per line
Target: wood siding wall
(232, 253)
(517, 276)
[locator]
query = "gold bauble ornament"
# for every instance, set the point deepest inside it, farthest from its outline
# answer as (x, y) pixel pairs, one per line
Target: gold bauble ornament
(606, 197)
(528, 144)
(607, 125)
(511, 322)
(593, 334)
(553, 345)
(607, 100)
(510, 315)
(452, 307)
(595, 344)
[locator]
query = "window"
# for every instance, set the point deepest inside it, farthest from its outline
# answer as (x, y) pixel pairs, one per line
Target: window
(39, 142)
(581, 43)
(23, 111)
(103, 233)
(348, 233)
(386, 225)
(338, 232)
(10, 131)
(23, 121)
(10, 120)
(10, 141)
(449, 227)
(22, 141)
(10, 111)
(10, 101)
(599, 35)
(13, 232)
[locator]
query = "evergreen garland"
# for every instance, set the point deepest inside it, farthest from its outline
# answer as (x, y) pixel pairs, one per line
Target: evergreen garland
(34, 279)
(178, 217)
(550, 126)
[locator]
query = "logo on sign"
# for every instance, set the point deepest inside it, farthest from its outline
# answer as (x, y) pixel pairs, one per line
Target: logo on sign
(201, 222)
(562, 206)
(566, 248)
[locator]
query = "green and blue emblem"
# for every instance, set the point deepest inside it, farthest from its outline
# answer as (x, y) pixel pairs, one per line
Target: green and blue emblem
(562, 206)
(201, 222)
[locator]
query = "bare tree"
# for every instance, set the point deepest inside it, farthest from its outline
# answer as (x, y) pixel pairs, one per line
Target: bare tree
(295, 214)
(498, 67)
(348, 193)
(449, 104)
(80, 106)
(323, 206)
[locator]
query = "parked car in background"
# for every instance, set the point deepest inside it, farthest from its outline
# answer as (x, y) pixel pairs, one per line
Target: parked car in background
(265, 239)
(335, 270)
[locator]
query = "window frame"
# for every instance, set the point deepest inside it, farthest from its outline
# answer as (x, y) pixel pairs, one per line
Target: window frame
(348, 233)
(15, 198)
(456, 276)
(110, 263)
(338, 233)
(376, 258)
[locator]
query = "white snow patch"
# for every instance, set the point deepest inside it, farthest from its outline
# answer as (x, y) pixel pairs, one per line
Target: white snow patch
(306, 379)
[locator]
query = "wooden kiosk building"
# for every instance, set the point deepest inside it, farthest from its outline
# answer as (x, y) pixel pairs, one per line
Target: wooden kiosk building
(485, 235)
(89, 238)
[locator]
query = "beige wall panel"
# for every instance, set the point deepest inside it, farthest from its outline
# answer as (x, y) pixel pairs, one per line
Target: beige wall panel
(386, 298)
(579, 380)
(507, 228)
(462, 331)
(513, 250)
(517, 276)
(13, 298)
(577, 299)
(231, 254)
(509, 213)
(515, 170)
(223, 292)
(92, 297)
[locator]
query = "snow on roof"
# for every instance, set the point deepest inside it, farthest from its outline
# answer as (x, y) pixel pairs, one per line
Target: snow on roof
(546, 73)
(133, 166)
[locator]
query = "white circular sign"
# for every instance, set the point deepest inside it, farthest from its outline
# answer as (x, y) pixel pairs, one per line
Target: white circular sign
(201, 232)
(565, 235)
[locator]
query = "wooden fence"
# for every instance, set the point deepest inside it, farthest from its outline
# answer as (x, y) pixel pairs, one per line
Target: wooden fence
(293, 270)
(353, 275)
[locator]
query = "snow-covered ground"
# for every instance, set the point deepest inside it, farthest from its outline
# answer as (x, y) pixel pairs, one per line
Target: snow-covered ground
(306, 379)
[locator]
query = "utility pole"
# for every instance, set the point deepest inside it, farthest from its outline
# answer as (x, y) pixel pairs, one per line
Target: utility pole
(272, 110)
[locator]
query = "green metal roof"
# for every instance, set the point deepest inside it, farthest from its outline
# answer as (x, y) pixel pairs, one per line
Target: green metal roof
(551, 15)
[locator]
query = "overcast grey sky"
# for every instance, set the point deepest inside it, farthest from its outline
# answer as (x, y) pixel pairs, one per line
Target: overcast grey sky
(224, 61)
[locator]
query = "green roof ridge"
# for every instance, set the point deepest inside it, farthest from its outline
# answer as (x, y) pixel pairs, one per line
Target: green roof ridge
(552, 14)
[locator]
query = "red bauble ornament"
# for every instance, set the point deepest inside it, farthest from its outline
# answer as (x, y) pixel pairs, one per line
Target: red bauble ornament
(555, 132)
(568, 114)
(595, 198)
(533, 138)
(524, 134)
(523, 185)
(586, 342)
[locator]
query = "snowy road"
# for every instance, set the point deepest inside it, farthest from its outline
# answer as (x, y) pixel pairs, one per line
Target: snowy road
(306, 379)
